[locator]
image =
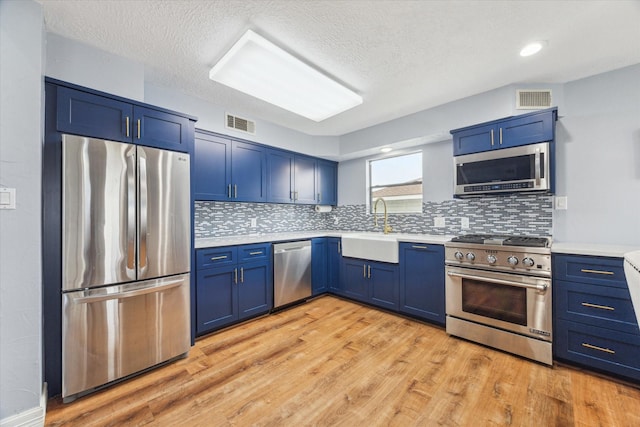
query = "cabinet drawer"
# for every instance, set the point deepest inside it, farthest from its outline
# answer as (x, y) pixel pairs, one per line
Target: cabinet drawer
(604, 349)
(254, 252)
(607, 307)
(594, 270)
(215, 257)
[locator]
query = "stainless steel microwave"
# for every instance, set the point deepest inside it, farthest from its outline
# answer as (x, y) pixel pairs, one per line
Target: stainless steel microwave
(506, 170)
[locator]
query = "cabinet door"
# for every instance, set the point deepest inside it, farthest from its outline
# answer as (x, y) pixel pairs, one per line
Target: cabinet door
(305, 180)
(327, 182)
(86, 114)
(255, 296)
(334, 258)
(354, 281)
(382, 281)
(162, 130)
(216, 298)
(530, 129)
(249, 172)
(279, 176)
(422, 281)
(319, 265)
(475, 140)
(212, 164)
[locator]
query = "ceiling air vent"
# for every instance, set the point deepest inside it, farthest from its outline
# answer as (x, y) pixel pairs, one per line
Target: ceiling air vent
(243, 125)
(533, 99)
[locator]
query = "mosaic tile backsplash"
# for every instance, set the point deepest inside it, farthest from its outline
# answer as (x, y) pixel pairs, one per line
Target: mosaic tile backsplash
(529, 215)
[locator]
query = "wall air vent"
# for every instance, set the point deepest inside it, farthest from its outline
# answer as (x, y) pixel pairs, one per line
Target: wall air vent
(533, 99)
(238, 123)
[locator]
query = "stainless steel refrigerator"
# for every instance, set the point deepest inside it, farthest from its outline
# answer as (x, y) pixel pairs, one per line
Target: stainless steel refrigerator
(126, 258)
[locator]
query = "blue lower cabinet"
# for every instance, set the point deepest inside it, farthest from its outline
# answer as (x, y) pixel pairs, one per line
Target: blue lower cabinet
(319, 266)
(334, 263)
(422, 281)
(599, 348)
(371, 282)
(231, 292)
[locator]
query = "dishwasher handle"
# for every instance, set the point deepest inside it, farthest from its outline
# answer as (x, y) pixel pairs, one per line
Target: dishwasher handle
(296, 249)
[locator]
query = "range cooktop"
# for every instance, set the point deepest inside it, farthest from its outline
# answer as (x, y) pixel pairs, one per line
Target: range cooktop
(504, 240)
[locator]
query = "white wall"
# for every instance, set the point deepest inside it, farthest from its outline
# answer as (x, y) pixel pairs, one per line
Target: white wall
(599, 159)
(21, 49)
(81, 64)
(211, 117)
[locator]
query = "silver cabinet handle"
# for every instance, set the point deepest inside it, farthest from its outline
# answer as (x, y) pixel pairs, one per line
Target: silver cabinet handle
(235, 273)
(339, 247)
(255, 253)
(500, 136)
(499, 282)
(419, 247)
(139, 128)
(128, 133)
(595, 347)
(216, 258)
(229, 190)
(235, 191)
(364, 270)
(368, 272)
(241, 274)
(608, 273)
(492, 137)
(601, 307)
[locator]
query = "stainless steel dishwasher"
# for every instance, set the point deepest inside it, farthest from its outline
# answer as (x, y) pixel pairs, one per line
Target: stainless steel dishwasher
(291, 272)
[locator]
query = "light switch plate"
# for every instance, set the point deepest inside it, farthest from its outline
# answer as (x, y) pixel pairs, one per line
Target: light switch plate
(561, 203)
(7, 198)
(439, 222)
(464, 223)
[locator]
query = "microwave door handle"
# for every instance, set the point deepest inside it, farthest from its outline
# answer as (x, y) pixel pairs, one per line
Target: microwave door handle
(540, 287)
(537, 167)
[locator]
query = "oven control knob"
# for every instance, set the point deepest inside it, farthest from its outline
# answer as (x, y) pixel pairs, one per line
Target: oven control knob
(491, 259)
(528, 262)
(459, 255)
(512, 260)
(471, 256)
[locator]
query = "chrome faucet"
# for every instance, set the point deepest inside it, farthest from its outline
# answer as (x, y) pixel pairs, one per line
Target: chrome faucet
(386, 228)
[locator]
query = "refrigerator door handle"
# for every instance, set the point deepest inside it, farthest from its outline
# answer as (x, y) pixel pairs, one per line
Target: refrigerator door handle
(129, 294)
(143, 200)
(131, 215)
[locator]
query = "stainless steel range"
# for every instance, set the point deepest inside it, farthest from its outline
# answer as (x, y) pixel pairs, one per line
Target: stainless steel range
(498, 293)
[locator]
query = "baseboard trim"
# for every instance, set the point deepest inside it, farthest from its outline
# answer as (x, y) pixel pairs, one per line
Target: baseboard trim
(33, 417)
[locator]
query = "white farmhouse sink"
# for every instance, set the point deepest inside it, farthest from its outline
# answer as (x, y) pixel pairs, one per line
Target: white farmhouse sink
(371, 246)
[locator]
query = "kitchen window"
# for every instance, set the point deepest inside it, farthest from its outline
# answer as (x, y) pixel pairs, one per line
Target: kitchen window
(397, 180)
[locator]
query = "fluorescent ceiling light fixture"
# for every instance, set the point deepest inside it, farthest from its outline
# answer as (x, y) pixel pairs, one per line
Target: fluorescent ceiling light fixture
(531, 49)
(261, 69)
(385, 149)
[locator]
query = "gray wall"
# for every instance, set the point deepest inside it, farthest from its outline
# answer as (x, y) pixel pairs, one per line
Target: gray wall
(21, 48)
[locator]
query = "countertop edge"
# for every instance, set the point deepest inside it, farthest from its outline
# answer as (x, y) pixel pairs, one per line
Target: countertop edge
(592, 249)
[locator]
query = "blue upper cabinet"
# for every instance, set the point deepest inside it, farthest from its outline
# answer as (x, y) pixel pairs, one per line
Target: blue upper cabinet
(291, 178)
(229, 170)
(212, 167)
(85, 112)
(280, 176)
(248, 172)
(327, 182)
(160, 129)
(525, 129)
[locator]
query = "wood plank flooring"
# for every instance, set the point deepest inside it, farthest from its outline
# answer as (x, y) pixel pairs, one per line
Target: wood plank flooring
(332, 362)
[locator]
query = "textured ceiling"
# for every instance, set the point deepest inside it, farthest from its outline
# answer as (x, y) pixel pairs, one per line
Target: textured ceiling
(401, 56)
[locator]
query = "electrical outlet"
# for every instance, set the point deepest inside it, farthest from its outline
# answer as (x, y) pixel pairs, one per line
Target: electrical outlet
(439, 222)
(561, 203)
(254, 222)
(464, 223)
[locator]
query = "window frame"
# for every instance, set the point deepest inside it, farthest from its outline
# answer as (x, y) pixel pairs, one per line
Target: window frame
(369, 193)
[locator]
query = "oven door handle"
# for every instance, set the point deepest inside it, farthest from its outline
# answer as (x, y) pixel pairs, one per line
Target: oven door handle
(541, 288)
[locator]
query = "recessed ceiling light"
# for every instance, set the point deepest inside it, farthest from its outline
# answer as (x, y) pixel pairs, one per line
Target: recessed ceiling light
(261, 69)
(385, 149)
(531, 49)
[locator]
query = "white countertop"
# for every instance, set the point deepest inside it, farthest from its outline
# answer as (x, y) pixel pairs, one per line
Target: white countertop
(281, 237)
(593, 249)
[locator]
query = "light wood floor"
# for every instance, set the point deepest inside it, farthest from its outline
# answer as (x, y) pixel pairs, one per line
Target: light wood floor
(331, 362)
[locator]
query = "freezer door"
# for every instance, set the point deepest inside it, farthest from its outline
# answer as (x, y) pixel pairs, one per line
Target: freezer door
(98, 212)
(164, 213)
(112, 332)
